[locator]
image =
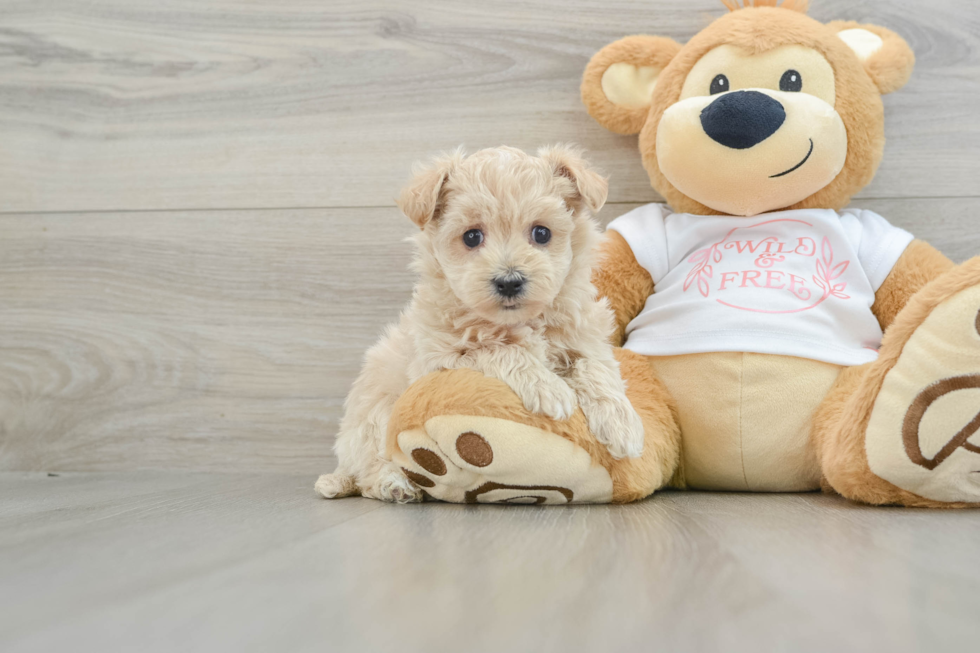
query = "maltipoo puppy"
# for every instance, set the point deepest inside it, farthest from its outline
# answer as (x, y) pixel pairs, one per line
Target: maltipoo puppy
(504, 259)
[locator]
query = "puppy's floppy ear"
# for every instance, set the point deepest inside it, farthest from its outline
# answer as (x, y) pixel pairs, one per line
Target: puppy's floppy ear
(587, 186)
(618, 83)
(886, 56)
(422, 199)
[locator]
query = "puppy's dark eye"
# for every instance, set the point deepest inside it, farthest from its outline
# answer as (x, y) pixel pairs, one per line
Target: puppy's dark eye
(473, 238)
(791, 81)
(719, 85)
(541, 235)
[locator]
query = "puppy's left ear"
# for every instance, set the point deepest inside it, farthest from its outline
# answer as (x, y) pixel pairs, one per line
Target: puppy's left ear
(587, 187)
(423, 198)
(887, 58)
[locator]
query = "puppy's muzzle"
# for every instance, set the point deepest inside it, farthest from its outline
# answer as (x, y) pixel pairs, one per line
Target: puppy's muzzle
(510, 285)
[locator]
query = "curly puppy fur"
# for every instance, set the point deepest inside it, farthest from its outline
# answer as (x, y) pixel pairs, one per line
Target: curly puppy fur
(548, 341)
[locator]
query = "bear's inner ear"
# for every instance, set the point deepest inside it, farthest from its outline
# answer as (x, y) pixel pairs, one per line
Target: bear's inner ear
(887, 58)
(618, 83)
(629, 86)
(861, 41)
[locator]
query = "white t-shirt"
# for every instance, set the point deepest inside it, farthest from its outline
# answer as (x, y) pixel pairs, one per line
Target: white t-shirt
(797, 283)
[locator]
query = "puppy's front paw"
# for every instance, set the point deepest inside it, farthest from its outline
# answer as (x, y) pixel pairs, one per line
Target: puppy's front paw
(617, 425)
(552, 398)
(391, 485)
(335, 486)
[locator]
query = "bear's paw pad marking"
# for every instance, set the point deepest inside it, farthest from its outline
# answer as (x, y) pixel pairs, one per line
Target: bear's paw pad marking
(470, 459)
(924, 432)
(472, 448)
(429, 461)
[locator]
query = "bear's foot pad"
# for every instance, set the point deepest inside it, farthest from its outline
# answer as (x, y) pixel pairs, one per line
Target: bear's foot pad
(471, 459)
(924, 431)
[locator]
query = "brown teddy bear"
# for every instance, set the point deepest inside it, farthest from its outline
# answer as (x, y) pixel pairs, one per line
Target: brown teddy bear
(772, 340)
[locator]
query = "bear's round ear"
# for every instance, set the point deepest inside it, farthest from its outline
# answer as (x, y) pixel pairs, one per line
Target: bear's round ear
(618, 82)
(886, 56)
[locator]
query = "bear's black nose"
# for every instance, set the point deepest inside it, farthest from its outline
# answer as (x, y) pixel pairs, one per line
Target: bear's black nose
(509, 286)
(742, 119)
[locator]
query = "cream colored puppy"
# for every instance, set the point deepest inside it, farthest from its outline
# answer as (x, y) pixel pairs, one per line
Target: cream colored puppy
(504, 261)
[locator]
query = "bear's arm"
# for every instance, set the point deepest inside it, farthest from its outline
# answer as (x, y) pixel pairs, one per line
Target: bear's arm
(621, 280)
(917, 266)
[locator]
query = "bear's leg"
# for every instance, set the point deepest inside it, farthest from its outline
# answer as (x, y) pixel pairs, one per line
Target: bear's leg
(467, 438)
(905, 429)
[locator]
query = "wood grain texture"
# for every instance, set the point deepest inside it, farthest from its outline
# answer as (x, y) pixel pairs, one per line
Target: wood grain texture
(221, 340)
(220, 562)
(130, 104)
(193, 339)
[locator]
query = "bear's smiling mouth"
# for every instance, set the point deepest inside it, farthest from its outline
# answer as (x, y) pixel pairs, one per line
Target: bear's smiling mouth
(797, 165)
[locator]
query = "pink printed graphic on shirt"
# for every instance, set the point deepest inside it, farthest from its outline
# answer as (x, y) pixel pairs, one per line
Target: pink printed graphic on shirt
(773, 256)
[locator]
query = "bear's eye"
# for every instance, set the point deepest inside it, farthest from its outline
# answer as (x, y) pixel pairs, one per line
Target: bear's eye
(541, 235)
(719, 84)
(473, 238)
(791, 81)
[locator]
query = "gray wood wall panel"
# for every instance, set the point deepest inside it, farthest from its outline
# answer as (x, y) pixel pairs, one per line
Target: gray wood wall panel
(222, 340)
(123, 104)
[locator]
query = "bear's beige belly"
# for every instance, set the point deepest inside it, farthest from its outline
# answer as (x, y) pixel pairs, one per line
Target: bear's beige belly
(746, 418)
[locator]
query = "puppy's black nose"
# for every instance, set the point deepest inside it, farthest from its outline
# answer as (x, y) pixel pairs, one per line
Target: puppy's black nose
(742, 119)
(509, 286)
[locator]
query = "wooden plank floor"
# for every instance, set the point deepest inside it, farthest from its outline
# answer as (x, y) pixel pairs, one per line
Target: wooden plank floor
(156, 561)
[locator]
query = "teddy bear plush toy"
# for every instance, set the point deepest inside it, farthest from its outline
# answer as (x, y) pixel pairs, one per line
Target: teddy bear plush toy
(770, 338)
